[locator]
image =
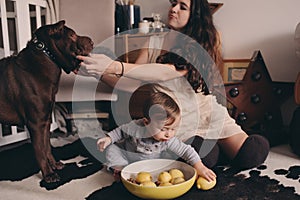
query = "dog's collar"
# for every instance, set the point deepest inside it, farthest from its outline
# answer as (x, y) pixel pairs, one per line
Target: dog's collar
(40, 46)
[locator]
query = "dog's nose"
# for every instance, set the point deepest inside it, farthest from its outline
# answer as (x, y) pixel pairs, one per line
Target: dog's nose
(86, 43)
(89, 41)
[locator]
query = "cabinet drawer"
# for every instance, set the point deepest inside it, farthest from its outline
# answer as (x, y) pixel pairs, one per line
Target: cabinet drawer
(127, 46)
(136, 43)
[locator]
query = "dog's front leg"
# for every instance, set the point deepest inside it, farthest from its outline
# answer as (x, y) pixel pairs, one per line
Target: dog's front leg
(55, 165)
(39, 133)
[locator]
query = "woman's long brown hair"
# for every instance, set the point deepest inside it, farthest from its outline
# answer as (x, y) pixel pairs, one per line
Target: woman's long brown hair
(200, 28)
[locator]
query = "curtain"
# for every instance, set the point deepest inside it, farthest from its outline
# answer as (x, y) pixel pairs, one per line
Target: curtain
(54, 10)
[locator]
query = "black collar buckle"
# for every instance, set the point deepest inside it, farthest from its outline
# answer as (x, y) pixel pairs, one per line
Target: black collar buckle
(38, 44)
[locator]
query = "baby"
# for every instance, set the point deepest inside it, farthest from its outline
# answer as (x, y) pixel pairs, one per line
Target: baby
(148, 137)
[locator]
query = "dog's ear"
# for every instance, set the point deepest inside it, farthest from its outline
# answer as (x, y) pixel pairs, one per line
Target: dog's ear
(57, 28)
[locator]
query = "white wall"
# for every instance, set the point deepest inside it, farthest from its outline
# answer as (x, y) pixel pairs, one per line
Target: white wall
(94, 18)
(249, 25)
(265, 25)
(245, 25)
(150, 6)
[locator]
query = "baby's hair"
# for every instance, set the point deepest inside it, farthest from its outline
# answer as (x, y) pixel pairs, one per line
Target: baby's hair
(161, 106)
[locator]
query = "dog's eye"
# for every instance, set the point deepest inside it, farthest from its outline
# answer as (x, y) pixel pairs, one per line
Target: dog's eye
(73, 36)
(73, 48)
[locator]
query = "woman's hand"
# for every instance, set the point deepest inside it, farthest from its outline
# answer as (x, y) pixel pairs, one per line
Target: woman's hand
(95, 65)
(205, 172)
(102, 143)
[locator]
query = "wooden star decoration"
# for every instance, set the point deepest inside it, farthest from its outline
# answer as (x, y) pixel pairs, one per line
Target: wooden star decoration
(214, 7)
(256, 101)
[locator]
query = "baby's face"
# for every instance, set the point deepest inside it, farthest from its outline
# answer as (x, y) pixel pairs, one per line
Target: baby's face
(166, 132)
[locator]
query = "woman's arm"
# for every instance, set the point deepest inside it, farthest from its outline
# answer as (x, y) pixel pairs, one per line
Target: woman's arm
(99, 65)
(143, 56)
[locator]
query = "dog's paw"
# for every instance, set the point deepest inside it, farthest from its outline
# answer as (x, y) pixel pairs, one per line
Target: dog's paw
(52, 178)
(58, 166)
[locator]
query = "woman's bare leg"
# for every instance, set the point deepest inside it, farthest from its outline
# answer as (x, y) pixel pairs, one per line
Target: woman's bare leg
(231, 145)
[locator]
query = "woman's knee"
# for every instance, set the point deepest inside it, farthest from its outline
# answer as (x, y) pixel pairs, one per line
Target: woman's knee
(253, 152)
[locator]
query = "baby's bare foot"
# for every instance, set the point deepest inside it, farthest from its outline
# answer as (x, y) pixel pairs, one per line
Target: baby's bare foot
(117, 172)
(117, 175)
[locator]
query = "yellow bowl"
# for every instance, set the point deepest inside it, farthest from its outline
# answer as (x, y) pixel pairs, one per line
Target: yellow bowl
(154, 167)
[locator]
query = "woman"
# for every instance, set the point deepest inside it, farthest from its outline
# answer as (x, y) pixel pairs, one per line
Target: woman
(193, 19)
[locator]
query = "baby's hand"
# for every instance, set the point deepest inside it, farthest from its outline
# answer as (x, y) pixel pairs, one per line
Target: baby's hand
(102, 143)
(205, 172)
(208, 174)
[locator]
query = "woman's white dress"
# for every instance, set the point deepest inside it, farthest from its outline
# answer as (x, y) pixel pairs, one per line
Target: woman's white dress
(200, 114)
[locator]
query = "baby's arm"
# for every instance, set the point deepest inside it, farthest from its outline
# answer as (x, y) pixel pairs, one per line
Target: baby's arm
(189, 154)
(102, 143)
(204, 172)
(111, 137)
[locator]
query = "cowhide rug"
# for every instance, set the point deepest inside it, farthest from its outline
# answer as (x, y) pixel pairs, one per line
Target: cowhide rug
(84, 178)
(230, 186)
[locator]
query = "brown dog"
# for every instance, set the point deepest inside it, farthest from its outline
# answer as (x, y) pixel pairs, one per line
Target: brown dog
(29, 82)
